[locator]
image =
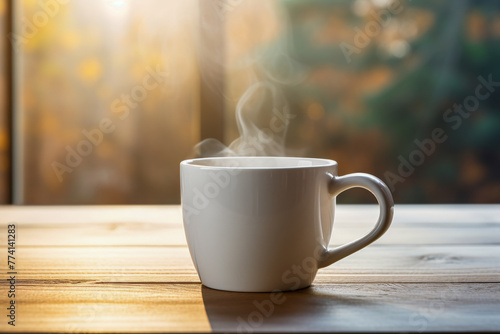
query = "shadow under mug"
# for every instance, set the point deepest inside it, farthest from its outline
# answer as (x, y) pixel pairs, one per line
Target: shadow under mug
(262, 224)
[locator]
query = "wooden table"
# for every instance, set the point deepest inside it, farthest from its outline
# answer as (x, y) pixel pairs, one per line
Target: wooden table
(127, 269)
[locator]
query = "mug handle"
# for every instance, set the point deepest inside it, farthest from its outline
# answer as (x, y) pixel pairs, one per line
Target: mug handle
(338, 184)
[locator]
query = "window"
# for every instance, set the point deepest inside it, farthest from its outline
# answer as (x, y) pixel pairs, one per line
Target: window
(106, 97)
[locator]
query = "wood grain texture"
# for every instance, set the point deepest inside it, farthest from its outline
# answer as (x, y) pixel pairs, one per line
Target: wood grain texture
(388, 307)
(161, 225)
(128, 269)
(173, 264)
(112, 308)
(156, 307)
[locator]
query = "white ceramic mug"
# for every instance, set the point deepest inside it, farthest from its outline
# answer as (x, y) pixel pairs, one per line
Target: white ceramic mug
(261, 224)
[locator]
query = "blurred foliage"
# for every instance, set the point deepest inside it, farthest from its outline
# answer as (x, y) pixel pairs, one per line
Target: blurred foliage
(93, 60)
(368, 112)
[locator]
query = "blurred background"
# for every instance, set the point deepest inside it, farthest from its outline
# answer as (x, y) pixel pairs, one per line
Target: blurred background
(101, 99)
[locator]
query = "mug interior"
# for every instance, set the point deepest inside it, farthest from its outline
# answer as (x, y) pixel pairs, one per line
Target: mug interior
(259, 162)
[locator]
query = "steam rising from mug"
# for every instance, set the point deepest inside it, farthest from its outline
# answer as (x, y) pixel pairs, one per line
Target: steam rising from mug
(262, 113)
(261, 132)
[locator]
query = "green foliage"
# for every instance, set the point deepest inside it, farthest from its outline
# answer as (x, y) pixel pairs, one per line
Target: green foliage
(461, 43)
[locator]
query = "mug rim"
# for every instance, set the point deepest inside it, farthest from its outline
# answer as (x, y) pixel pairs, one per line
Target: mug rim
(321, 163)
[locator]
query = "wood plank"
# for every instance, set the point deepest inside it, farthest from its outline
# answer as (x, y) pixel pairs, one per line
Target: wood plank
(109, 308)
(125, 307)
(173, 264)
(429, 214)
(351, 214)
(359, 308)
(98, 234)
(162, 225)
(131, 234)
(164, 234)
(85, 214)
